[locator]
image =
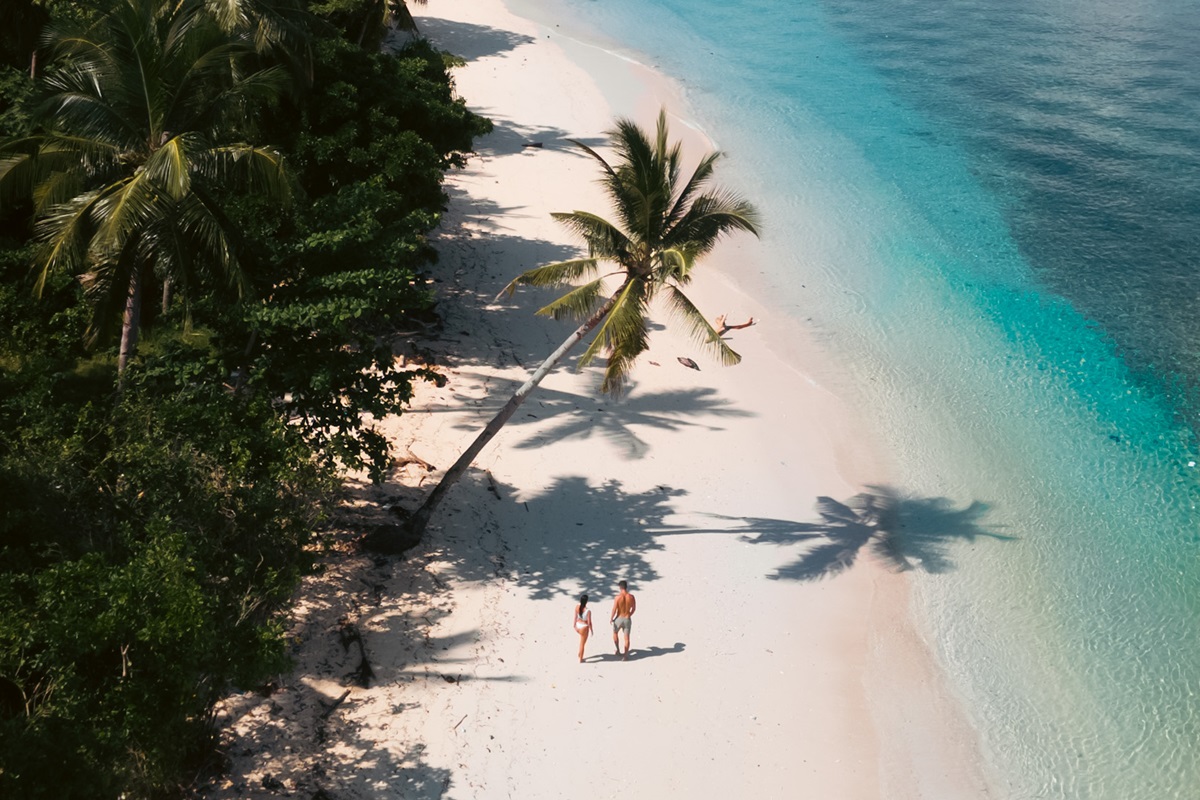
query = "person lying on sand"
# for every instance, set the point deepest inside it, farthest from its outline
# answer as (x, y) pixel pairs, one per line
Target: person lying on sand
(724, 327)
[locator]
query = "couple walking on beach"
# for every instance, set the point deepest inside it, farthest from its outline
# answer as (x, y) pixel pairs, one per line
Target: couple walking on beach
(621, 618)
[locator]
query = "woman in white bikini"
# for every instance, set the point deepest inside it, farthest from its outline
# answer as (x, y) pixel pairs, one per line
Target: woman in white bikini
(583, 623)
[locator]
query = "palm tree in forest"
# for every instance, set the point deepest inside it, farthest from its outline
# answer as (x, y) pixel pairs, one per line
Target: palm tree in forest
(282, 28)
(141, 127)
(664, 226)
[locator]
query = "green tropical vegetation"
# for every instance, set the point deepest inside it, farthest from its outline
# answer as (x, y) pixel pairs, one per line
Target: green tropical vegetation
(664, 224)
(268, 177)
(139, 135)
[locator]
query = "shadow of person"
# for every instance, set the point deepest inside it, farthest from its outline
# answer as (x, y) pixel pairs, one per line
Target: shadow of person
(636, 654)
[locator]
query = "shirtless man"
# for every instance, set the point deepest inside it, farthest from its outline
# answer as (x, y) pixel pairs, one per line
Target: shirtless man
(622, 617)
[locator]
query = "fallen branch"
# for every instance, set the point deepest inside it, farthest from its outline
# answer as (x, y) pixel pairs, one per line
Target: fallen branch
(349, 635)
(333, 706)
(412, 458)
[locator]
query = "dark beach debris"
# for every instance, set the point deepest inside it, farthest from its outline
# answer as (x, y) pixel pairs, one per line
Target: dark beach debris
(331, 707)
(349, 634)
(389, 539)
(449, 679)
(460, 722)
(493, 487)
(655, 363)
(687, 362)
(532, 144)
(411, 458)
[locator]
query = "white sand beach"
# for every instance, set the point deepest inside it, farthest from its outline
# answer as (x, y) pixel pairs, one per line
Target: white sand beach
(758, 670)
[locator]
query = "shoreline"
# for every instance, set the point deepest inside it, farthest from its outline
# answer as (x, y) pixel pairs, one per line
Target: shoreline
(749, 678)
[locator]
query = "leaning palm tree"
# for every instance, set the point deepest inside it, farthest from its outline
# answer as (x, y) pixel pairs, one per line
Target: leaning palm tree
(135, 149)
(664, 226)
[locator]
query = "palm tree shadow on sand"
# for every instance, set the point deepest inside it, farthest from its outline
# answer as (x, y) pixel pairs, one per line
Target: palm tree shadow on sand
(905, 533)
(575, 534)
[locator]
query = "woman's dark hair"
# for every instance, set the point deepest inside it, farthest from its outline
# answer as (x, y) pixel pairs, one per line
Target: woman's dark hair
(582, 602)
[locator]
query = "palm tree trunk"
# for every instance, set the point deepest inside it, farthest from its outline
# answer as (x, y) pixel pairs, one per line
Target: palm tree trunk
(130, 324)
(416, 525)
(166, 298)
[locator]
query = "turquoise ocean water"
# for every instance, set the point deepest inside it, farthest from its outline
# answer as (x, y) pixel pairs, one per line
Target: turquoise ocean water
(988, 212)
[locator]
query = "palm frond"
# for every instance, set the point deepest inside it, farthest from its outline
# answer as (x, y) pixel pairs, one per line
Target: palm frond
(210, 233)
(604, 239)
(604, 165)
(637, 186)
(74, 42)
(55, 189)
(675, 263)
(230, 15)
(106, 287)
(126, 206)
(20, 172)
(710, 217)
(93, 152)
(258, 87)
(700, 177)
(260, 168)
(79, 112)
(578, 303)
(212, 91)
(281, 27)
(25, 164)
(600, 340)
(701, 332)
(170, 165)
(557, 274)
(625, 336)
(637, 154)
(66, 234)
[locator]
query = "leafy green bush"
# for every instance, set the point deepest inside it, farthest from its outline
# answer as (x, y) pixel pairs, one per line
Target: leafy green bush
(151, 536)
(146, 546)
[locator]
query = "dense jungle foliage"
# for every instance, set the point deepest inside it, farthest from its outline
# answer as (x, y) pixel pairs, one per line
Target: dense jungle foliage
(245, 263)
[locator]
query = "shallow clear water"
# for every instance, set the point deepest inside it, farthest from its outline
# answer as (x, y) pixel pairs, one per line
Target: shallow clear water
(988, 211)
